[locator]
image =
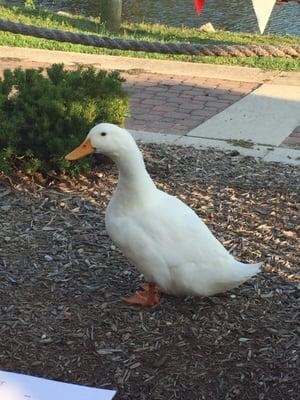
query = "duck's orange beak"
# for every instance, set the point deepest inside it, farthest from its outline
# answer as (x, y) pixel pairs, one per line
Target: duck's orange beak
(81, 151)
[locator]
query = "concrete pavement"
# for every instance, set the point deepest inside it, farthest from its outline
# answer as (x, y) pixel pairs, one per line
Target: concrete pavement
(267, 116)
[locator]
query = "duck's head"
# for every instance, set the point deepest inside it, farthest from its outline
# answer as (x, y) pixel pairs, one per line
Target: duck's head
(107, 139)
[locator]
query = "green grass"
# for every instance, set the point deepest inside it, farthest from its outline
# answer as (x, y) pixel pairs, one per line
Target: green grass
(148, 32)
(241, 143)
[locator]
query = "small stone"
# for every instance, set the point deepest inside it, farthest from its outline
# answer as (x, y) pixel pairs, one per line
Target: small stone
(88, 226)
(64, 14)
(5, 208)
(243, 339)
(135, 365)
(207, 28)
(234, 153)
(48, 258)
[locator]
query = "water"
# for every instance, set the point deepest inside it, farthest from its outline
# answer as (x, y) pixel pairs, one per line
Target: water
(232, 15)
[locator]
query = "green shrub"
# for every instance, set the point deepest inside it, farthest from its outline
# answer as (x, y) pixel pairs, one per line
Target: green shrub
(44, 116)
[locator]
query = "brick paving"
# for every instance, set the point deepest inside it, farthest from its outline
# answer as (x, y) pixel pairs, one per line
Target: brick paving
(176, 105)
(166, 103)
(293, 140)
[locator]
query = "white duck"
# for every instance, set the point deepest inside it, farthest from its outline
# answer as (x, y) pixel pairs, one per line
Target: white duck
(160, 235)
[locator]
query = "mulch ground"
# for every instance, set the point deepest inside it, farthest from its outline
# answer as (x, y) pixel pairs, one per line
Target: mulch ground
(62, 279)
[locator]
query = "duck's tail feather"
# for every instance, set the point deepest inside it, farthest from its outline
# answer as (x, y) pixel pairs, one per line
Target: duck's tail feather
(249, 270)
(239, 274)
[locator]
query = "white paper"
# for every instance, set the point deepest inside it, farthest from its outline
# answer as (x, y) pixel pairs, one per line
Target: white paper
(23, 387)
(263, 10)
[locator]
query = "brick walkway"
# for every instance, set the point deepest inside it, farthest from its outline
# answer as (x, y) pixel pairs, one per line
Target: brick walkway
(293, 140)
(173, 104)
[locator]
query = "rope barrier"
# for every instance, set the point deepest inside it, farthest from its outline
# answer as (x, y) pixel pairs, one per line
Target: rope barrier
(152, 47)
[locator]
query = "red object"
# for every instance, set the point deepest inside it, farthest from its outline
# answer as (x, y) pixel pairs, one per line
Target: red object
(199, 4)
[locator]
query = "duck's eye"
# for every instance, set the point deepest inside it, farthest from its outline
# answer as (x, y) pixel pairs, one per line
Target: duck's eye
(103, 133)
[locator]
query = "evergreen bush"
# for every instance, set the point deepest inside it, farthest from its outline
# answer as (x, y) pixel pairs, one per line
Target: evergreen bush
(45, 114)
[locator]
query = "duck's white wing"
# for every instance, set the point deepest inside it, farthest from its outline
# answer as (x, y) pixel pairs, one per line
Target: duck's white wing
(179, 233)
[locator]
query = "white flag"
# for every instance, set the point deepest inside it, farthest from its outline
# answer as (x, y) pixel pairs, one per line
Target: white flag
(263, 9)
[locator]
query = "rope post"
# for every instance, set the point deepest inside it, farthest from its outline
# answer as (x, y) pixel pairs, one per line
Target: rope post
(111, 14)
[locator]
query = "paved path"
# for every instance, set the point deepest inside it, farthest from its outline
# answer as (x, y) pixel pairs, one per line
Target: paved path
(176, 104)
(267, 116)
(197, 104)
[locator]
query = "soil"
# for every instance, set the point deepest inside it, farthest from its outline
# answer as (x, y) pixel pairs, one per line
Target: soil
(62, 282)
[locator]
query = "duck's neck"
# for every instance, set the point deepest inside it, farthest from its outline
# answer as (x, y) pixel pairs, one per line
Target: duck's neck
(135, 186)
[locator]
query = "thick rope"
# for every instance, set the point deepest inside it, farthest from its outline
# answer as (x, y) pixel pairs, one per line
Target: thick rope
(152, 47)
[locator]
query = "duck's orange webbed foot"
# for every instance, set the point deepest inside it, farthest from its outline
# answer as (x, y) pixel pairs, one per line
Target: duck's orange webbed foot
(149, 296)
